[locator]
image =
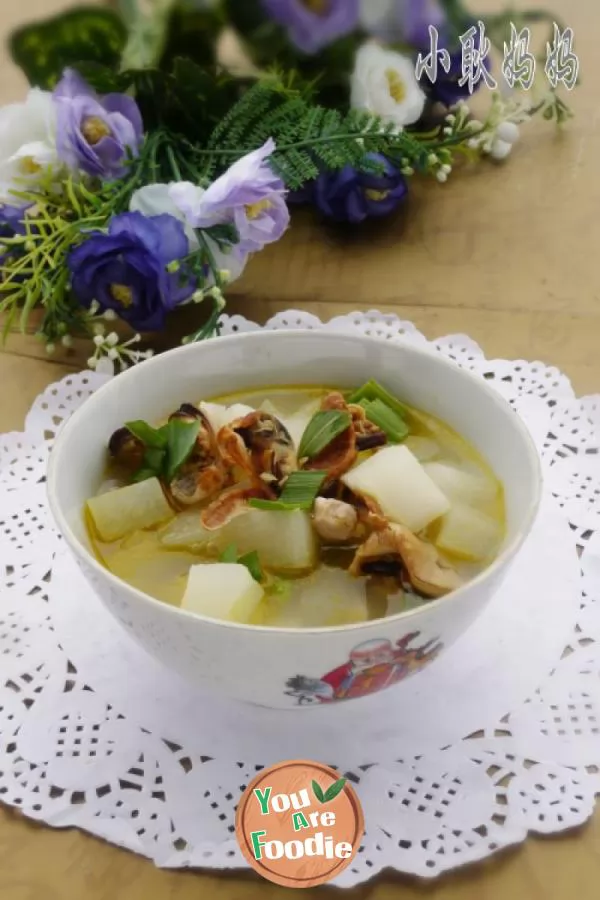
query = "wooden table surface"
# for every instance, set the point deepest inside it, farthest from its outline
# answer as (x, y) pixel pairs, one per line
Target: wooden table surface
(506, 254)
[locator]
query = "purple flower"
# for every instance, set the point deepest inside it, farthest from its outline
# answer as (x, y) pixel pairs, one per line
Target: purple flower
(416, 16)
(353, 196)
(96, 134)
(313, 24)
(126, 269)
(249, 196)
(11, 219)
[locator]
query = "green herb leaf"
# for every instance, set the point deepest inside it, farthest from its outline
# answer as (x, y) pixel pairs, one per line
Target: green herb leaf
(154, 460)
(45, 48)
(149, 436)
(143, 475)
(181, 440)
(380, 414)
(250, 560)
(229, 555)
(322, 429)
(300, 491)
(252, 563)
(372, 390)
(318, 792)
(333, 790)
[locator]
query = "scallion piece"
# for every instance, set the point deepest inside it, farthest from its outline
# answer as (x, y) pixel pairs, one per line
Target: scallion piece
(229, 555)
(250, 560)
(300, 492)
(372, 390)
(322, 429)
(252, 563)
(390, 422)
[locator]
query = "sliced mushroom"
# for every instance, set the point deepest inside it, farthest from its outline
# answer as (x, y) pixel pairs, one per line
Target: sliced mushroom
(231, 503)
(204, 473)
(127, 450)
(334, 521)
(396, 550)
(262, 447)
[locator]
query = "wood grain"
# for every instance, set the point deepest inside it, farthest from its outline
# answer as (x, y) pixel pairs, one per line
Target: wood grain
(507, 254)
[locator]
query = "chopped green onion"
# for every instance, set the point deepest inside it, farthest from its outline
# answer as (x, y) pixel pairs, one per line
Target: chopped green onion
(250, 560)
(229, 555)
(300, 492)
(390, 422)
(151, 437)
(252, 563)
(372, 390)
(154, 459)
(322, 429)
(181, 439)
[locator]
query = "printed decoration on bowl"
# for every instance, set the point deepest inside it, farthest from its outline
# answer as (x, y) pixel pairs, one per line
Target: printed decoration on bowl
(134, 136)
(373, 666)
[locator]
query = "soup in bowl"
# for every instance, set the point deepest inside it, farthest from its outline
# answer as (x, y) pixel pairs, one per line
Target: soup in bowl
(295, 518)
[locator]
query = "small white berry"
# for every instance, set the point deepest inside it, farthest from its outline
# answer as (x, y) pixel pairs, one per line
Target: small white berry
(112, 339)
(110, 315)
(67, 340)
(446, 169)
(92, 362)
(99, 328)
(225, 275)
(500, 150)
(432, 159)
(198, 296)
(99, 340)
(473, 144)
(113, 354)
(441, 177)
(508, 132)
(50, 348)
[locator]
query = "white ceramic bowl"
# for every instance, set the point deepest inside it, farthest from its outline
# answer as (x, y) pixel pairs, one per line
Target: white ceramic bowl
(287, 668)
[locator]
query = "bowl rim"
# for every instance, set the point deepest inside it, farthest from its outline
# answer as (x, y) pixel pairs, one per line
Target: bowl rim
(61, 443)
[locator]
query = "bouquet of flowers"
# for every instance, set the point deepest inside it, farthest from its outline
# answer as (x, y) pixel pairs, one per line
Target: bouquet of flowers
(142, 172)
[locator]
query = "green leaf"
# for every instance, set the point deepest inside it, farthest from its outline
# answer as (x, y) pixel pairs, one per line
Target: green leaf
(334, 789)
(44, 49)
(372, 390)
(181, 440)
(300, 492)
(229, 555)
(252, 563)
(380, 414)
(322, 429)
(149, 436)
(318, 791)
(154, 459)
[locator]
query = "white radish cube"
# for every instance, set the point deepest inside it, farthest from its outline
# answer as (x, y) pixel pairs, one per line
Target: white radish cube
(423, 448)
(469, 534)
(461, 485)
(238, 411)
(186, 531)
(117, 513)
(285, 541)
(327, 598)
(222, 591)
(397, 481)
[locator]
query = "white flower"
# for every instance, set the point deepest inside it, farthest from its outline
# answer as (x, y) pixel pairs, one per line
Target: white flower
(384, 83)
(500, 149)
(27, 143)
(155, 199)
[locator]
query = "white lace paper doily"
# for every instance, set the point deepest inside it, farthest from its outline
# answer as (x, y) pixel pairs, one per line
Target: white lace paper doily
(499, 737)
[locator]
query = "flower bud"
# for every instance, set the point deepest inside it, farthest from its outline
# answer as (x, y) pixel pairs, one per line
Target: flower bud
(99, 340)
(67, 340)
